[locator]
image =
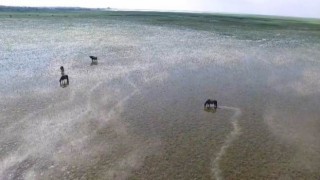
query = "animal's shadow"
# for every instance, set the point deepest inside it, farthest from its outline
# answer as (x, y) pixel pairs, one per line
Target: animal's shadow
(210, 109)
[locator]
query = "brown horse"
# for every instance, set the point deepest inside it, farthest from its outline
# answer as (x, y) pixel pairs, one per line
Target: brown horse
(209, 101)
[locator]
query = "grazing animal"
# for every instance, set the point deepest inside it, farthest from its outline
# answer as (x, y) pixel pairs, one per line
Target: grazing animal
(93, 58)
(209, 101)
(62, 80)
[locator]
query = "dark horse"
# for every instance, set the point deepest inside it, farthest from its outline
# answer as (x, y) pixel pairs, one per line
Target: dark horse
(94, 58)
(209, 101)
(62, 80)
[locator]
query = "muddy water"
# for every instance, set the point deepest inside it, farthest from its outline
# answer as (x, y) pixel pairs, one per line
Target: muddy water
(138, 113)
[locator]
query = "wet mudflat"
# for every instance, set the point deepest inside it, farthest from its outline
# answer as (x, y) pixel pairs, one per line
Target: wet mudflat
(138, 113)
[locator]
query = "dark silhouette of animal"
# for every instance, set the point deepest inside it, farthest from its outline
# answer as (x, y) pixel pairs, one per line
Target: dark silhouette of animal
(93, 58)
(62, 70)
(209, 101)
(63, 79)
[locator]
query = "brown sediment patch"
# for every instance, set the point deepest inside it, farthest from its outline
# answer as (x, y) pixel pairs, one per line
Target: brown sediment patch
(299, 130)
(185, 152)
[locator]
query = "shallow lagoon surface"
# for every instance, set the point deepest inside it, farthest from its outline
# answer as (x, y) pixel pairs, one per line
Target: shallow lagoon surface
(138, 113)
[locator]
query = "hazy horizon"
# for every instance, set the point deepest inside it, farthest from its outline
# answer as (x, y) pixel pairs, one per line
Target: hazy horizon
(307, 9)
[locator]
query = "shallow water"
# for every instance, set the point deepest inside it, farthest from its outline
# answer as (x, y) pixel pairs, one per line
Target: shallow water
(138, 113)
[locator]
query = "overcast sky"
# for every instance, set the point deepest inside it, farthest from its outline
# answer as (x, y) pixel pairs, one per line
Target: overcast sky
(301, 8)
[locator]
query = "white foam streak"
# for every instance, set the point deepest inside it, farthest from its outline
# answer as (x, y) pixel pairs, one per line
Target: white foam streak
(216, 170)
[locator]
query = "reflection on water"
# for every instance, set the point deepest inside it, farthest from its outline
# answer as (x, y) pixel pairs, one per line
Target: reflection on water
(94, 63)
(139, 114)
(210, 109)
(64, 85)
